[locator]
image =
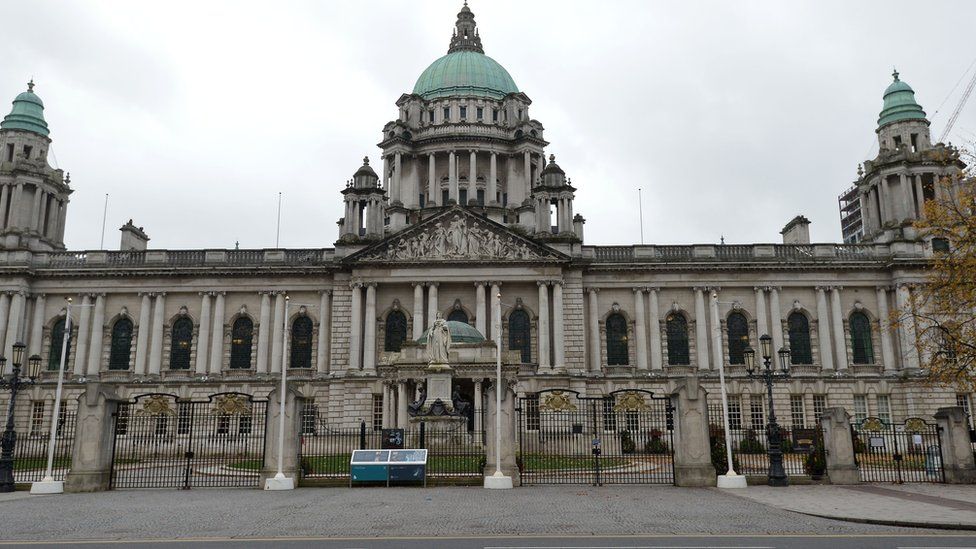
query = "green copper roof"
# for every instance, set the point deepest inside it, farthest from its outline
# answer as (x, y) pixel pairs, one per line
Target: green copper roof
(465, 72)
(899, 104)
(461, 332)
(27, 114)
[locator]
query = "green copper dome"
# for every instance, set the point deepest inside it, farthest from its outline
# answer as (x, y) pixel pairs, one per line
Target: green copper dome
(27, 114)
(899, 104)
(465, 72)
(461, 332)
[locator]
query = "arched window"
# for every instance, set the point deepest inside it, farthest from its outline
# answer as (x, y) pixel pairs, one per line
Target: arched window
(240, 343)
(738, 337)
(118, 358)
(301, 343)
(458, 315)
(677, 328)
(57, 339)
(396, 331)
(519, 337)
(617, 340)
(799, 328)
(861, 346)
(179, 351)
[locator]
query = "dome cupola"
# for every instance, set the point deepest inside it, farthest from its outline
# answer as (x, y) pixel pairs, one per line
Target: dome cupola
(27, 113)
(899, 104)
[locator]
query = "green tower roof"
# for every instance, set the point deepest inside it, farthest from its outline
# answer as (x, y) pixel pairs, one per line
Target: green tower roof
(27, 114)
(461, 332)
(899, 104)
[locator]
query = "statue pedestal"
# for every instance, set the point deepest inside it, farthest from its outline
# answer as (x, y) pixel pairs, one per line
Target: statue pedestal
(439, 387)
(444, 431)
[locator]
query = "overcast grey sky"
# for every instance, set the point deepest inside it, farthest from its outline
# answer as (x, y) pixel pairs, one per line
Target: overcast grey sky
(731, 116)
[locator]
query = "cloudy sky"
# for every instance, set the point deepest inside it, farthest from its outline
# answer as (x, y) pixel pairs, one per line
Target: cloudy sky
(732, 117)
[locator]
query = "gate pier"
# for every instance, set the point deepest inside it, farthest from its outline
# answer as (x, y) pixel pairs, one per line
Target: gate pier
(692, 453)
(91, 464)
(957, 452)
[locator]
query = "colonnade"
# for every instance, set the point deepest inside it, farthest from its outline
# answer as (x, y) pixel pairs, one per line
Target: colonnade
(46, 211)
(879, 206)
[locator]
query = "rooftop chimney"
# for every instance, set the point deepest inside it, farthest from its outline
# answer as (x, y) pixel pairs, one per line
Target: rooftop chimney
(797, 231)
(134, 239)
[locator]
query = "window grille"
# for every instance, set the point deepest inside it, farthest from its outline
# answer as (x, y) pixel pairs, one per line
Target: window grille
(377, 412)
(860, 408)
(609, 417)
(309, 413)
(532, 418)
(884, 409)
(798, 411)
(122, 419)
(735, 412)
(184, 412)
(37, 418)
(819, 405)
(757, 416)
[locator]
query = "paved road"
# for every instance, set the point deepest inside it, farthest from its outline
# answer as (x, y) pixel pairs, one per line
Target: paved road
(585, 542)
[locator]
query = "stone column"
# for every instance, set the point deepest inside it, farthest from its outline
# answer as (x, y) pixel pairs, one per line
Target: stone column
(887, 212)
(14, 221)
(386, 175)
(543, 327)
(39, 224)
(217, 335)
(479, 407)
(473, 175)
(294, 401)
(356, 328)
(418, 310)
(839, 447)
(264, 333)
(35, 210)
(431, 303)
(919, 195)
(452, 176)
(508, 434)
(433, 195)
(776, 318)
(492, 187)
(4, 312)
(156, 344)
(481, 309)
(142, 339)
(654, 321)
(203, 334)
(701, 329)
(325, 332)
(37, 326)
(397, 190)
(762, 327)
(84, 333)
(692, 453)
(277, 332)
(718, 356)
(369, 332)
(906, 195)
(640, 329)
(957, 452)
(884, 326)
(527, 166)
(4, 198)
(594, 329)
(823, 329)
(906, 328)
(97, 335)
(387, 393)
(403, 419)
(558, 327)
(496, 313)
(837, 317)
(91, 456)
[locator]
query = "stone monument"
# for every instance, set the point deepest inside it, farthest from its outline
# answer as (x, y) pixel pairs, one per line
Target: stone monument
(437, 404)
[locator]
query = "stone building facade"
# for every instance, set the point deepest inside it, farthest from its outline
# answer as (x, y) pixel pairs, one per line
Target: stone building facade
(471, 220)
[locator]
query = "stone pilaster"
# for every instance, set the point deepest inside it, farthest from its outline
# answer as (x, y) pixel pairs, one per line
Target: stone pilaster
(203, 334)
(654, 321)
(837, 317)
(558, 326)
(264, 333)
(369, 330)
(701, 329)
(640, 329)
(593, 339)
(418, 308)
(277, 332)
(884, 326)
(156, 344)
(325, 332)
(543, 325)
(97, 336)
(356, 328)
(143, 330)
(823, 329)
(217, 335)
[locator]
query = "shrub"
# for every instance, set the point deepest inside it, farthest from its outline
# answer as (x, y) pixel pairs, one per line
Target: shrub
(816, 464)
(656, 446)
(751, 444)
(720, 459)
(627, 444)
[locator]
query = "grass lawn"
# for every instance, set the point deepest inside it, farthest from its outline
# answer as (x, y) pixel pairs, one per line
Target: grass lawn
(339, 464)
(547, 462)
(34, 463)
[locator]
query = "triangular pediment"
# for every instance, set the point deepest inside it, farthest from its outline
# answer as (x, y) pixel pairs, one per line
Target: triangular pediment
(456, 235)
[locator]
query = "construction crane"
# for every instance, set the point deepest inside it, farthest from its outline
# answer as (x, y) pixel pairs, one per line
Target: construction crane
(959, 106)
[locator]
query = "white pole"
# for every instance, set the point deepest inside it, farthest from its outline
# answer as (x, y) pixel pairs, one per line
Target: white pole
(640, 210)
(278, 233)
(48, 485)
(730, 479)
(101, 244)
(281, 398)
(498, 390)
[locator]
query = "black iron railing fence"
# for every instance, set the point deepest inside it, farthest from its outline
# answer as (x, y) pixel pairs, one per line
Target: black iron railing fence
(908, 451)
(31, 450)
(750, 446)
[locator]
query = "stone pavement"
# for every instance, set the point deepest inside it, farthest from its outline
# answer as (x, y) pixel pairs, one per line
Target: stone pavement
(948, 506)
(425, 512)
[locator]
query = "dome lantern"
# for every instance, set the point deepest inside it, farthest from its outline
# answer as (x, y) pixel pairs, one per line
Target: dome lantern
(899, 103)
(27, 113)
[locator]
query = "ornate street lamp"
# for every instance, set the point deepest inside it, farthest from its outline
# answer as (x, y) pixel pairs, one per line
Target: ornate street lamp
(769, 375)
(15, 383)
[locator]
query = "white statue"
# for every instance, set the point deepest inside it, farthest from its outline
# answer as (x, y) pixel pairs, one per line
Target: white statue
(438, 341)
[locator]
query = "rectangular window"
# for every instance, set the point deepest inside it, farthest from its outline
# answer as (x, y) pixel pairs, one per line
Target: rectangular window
(445, 196)
(27, 151)
(532, 418)
(504, 199)
(860, 408)
(963, 400)
(223, 424)
(757, 417)
(609, 417)
(244, 425)
(914, 138)
(10, 152)
(162, 425)
(633, 421)
(463, 198)
(378, 412)
(494, 115)
(37, 418)
(447, 114)
(481, 197)
(819, 405)
(309, 413)
(62, 419)
(884, 409)
(422, 199)
(184, 414)
(122, 419)
(464, 113)
(797, 411)
(480, 113)
(520, 114)
(735, 412)
(430, 116)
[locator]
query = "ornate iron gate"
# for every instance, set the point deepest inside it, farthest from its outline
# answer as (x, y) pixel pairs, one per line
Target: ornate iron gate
(899, 452)
(162, 441)
(626, 437)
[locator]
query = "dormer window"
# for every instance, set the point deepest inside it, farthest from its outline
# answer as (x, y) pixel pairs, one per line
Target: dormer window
(464, 113)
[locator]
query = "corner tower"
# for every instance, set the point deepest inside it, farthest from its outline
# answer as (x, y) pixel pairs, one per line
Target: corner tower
(33, 195)
(464, 136)
(907, 171)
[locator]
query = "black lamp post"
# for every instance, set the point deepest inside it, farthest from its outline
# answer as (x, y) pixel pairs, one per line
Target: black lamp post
(15, 383)
(768, 374)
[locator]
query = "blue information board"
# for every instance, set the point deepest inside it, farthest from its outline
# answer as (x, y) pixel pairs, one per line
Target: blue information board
(408, 465)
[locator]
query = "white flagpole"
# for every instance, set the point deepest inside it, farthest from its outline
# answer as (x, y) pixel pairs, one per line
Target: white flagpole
(48, 485)
(280, 481)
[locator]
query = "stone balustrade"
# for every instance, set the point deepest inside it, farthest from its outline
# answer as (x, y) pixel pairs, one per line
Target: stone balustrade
(746, 252)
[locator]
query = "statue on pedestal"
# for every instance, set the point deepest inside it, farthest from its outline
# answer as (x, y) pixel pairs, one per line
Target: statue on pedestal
(438, 341)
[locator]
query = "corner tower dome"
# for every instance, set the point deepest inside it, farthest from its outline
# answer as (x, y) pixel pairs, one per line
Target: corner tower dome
(899, 103)
(27, 114)
(465, 70)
